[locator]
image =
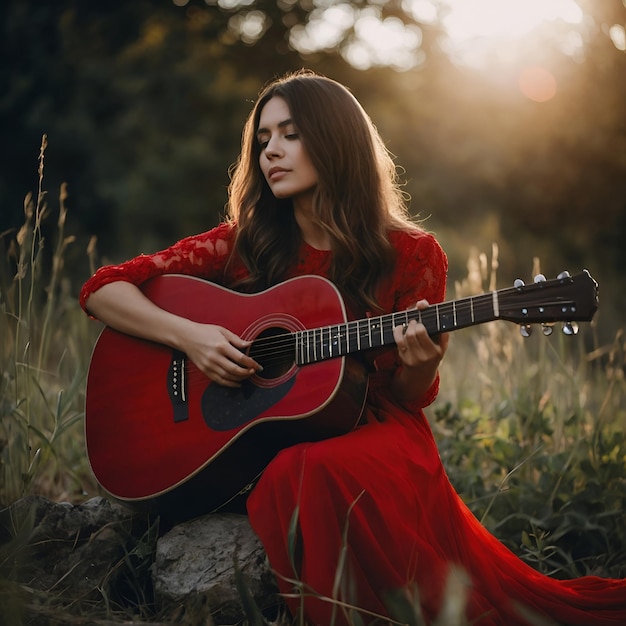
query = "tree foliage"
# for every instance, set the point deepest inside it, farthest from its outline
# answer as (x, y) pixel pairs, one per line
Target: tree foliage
(143, 104)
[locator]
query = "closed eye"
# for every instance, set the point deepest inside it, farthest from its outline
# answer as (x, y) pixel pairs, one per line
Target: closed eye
(263, 142)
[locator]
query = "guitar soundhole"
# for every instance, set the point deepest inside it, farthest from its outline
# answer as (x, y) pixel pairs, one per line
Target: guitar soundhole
(274, 349)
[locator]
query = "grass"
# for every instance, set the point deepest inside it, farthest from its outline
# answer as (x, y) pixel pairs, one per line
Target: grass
(531, 431)
(537, 448)
(45, 346)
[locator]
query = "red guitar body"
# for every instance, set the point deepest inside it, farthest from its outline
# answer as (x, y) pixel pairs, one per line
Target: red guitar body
(160, 435)
(163, 436)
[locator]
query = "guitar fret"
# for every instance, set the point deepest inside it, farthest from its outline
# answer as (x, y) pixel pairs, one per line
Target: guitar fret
(336, 340)
(447, 317)
(306, 349)
(344, 339)
(298, 356)
(318, 343)
(387, 329)
(464, 313)
(300, 347)
(395, 321)
(373, 332)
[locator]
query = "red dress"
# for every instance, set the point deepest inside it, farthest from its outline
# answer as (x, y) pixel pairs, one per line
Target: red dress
(375, 504)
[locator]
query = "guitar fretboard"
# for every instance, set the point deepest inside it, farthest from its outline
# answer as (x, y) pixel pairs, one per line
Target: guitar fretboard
(338, 340)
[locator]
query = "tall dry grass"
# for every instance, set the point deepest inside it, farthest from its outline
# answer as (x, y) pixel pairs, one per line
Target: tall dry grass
(45, 343)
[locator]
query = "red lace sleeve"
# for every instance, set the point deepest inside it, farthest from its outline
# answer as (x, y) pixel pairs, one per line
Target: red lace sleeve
(203, 255)
(421, 272)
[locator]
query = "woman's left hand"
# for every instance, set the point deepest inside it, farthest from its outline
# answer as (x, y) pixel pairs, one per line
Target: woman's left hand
(415, 347)
(420, 355)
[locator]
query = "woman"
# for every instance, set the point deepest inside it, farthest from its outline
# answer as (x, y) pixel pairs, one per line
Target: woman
(314, 191)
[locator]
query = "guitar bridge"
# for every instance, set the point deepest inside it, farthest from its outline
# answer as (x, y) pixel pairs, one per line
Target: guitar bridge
(177, 386)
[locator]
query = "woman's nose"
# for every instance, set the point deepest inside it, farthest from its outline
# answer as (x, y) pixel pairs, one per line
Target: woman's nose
(273, 147)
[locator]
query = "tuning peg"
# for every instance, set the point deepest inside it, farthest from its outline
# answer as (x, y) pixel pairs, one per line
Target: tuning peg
(570, 328)
(518, 283)
(564, 274)
(526, 330)
(540, 278)
(547, 329)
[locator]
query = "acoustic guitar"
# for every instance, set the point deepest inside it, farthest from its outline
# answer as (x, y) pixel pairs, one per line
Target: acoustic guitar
(161, 436)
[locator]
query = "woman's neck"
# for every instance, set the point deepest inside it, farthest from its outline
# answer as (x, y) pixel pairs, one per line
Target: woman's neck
(311, 231)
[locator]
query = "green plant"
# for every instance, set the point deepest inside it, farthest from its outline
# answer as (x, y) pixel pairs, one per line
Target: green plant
(44, 339)
(537, 448)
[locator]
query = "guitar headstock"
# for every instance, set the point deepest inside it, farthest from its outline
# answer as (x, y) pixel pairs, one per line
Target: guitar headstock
(567, 299)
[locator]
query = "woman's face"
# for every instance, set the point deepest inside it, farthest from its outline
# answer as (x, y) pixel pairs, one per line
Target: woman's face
(283, 160)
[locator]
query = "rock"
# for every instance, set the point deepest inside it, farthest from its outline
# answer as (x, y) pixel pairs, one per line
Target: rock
(199, 559)
(101, 549)
(63, 546)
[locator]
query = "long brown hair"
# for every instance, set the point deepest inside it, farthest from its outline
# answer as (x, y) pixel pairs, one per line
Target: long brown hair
(357, 200)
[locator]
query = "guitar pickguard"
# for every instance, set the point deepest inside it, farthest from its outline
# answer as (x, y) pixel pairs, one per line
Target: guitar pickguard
(224, 408)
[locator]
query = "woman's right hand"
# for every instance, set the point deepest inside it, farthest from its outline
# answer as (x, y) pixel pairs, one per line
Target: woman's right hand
(218, 353)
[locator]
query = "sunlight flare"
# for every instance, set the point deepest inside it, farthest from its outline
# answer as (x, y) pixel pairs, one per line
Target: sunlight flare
(470, 19)
(537, 84)
(487, 33)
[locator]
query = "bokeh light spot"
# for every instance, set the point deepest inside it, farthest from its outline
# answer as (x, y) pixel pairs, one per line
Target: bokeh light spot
(537, 84)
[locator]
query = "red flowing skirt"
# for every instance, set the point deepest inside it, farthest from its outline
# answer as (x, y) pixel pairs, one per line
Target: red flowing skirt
(376, 513)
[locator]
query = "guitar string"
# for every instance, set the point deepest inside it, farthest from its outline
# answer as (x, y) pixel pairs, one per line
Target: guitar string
(480, 303)
(364, 328)
(275, 348)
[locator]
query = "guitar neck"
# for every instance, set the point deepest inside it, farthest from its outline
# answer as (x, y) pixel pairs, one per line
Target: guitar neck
(328, 342)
